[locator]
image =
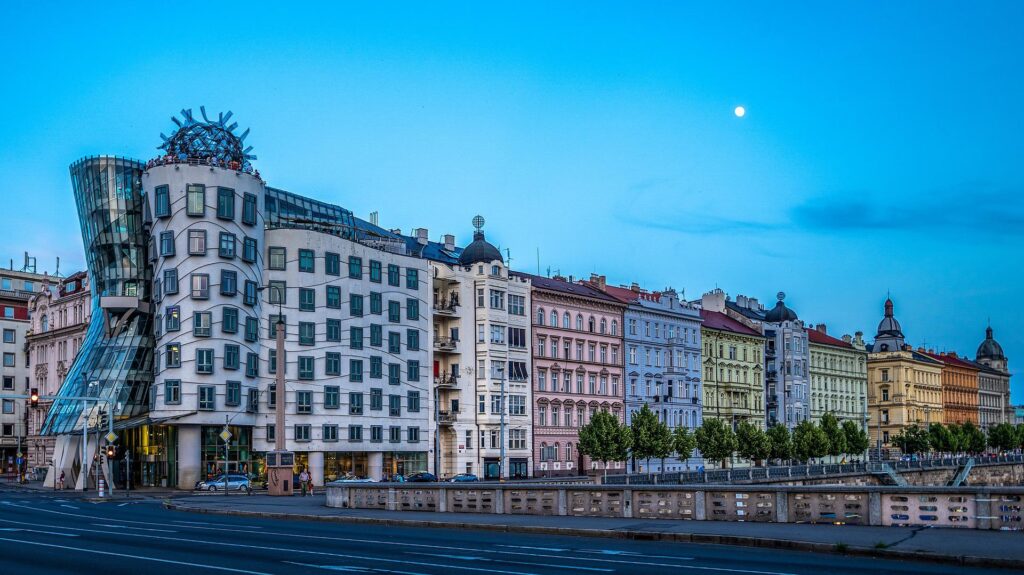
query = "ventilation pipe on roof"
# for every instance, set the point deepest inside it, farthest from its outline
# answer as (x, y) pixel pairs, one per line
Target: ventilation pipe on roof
(449, 242)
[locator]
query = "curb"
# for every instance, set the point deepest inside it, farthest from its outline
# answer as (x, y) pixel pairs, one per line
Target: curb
(700, 538)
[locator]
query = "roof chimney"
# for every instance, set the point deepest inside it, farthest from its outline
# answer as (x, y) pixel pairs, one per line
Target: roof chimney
(449, 242)
(558, 277)
(635, 287)
(952, 354)
(598, 281)
(822, 328)
(422, 236)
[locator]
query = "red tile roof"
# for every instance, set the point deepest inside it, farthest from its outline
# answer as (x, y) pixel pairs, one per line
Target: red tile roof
(947, 359)
(627, 295)
(815, 336)
(718, 320)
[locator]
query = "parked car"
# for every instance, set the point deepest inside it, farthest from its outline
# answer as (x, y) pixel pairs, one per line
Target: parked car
(421, 477)
(463, 477)
(353, 479)
(234, 483)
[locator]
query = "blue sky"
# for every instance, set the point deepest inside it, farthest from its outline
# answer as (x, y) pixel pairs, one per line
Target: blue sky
(881, 149)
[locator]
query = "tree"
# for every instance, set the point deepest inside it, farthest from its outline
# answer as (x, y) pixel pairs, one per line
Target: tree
(835, 435)
(715, 440)
(1003, 437)
(604, 439)
(644, 429)
(663, 443)
(973, 438)
(780, 442)
(751, 442)
(913, 439)
(809, 441)
(683, 442)
(857, 440)
(940, 438)
(1020, 435)
(958, 442)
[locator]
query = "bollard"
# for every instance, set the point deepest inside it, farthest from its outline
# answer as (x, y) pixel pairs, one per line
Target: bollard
(103, 488)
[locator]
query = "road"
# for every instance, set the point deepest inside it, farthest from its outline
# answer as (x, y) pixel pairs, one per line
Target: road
(54, 533)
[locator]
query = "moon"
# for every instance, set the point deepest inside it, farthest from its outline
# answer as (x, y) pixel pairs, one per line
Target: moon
(740, 111)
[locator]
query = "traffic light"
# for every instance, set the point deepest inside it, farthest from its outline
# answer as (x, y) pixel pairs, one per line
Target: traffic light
(111, 451)
(33, 397)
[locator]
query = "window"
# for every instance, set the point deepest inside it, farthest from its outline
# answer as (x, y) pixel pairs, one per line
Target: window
(412, 340)
(333, 330)
(517, 337)
(225, 203)
(167, 244)
(393, 277)
(332, 397)
(307, 299)
(252, 328)
(376, 303)
(9, 336)
(252, 362)
(249, 209)
(307, 333)
(251, 292)
(196, 200)
(249, 249)
(412, 309)
(497, 299)
(305, 367)
(163, 202)
(173, 355)
(394, 342)
(355, 403)
(394, 312)
(517, 439)
(172, 391)
(233, 393)
(330, 432)
(332, 363)
(376, 433)
(225, 247)
(355, 337)
(201, 323)
(204, 360)
(517, 306)
(376, 367)
(412, 278)
(278, 292)
(277, 258)
(252, 400)
(517, 405)
(355, 305)
(413, 434)
(355, 370)
(395, 405)
(394, 374)
(232, 357)
(270, 433)
(171, 281)
(376, 335)
(376, 400)
(228, 282)
(375, 271)
(304, 401)
(207, 397)
(332, 264)
(355, 267)
(302, 432)
(355, 433)
(413, 367)
(200, 286)
(395, 434)
(306, 261)
(172, 318)
(334, 297)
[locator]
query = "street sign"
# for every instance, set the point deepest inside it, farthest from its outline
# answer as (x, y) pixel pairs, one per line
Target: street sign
(225, 435)
(111, 437)
(19, 454)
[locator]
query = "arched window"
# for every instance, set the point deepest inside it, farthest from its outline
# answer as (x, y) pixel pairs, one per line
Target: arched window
(615, 327)
(604, 325)
(554, 318)
(565, 320)
(540, 316)
(568, 452)
(45, 322)
(579, 322)
(591, 325)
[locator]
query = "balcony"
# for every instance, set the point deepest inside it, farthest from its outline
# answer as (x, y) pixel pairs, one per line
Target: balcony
(445, 344)
(447, 381)
(447, 418)
(447, 308)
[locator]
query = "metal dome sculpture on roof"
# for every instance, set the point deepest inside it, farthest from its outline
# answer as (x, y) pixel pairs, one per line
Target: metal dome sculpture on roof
(889, 326)
(990, 348)
(479, 250)
(208, 139)
(780, 313)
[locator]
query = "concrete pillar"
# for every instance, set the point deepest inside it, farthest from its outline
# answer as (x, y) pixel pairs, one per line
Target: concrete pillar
(563, 503)
(983, 510)
(874, 508)
(392, 503)
(189, 456)
(499, 500)
(316, 466)
(375, 464)
(699, 505)
(781, 507)
(627, 503)
(64, 450)
(442, 499)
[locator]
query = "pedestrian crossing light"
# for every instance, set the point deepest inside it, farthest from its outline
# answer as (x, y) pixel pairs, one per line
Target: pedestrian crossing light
(33, 397)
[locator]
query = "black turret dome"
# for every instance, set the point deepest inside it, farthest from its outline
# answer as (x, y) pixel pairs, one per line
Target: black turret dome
(990, 348)
(479, 251)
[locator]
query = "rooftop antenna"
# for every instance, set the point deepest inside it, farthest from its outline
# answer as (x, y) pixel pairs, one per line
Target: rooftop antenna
(374, 218)
(508, 257)
(538, 260)
(56, 274)
(549, 271)
(30, 264)
(478, 222)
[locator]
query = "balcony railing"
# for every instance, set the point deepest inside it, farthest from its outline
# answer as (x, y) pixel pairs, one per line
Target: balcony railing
(446, 307)
(447, 417)
(446, 381)
(445, 344)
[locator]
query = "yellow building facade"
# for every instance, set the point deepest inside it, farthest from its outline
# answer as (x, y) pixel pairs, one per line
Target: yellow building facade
(733, 356)
(904, 389)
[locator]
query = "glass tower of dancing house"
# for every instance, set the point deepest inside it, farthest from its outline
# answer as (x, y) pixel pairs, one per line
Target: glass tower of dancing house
(193, 259)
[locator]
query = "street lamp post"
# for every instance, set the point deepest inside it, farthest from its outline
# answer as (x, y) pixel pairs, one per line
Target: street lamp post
(279, 463)
(501, 456)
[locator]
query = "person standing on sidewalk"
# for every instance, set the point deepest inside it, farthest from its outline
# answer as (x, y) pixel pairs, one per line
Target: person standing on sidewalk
(61, 481)
(304, 481)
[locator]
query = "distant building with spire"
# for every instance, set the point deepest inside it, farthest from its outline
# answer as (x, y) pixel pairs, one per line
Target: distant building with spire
(993, 383)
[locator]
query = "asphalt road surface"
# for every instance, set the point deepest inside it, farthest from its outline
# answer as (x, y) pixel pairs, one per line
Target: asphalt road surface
(53, 533)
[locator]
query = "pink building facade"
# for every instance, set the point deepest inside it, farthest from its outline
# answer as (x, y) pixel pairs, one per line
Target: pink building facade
(578, 370)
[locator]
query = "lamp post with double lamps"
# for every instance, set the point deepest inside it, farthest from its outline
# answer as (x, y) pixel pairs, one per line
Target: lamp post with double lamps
(279, 461)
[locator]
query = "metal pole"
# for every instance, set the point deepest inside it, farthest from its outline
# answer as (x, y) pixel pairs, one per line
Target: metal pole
(128, 474)
(501, 457)
(437, 430)
(279, 431)
(227, 444)
(85, 446)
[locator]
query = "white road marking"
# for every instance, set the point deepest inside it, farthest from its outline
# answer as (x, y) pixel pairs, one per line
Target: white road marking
(353, 569)
(68, 506)
(131, 527)
(38, 531)
(552, 549)
(128, 556)
(489, 560)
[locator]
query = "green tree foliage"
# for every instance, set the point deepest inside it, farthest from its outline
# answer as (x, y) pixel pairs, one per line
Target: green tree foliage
(751, 442)
(715, 440)
(940, 438)
(809, 441)
(958, 441)
(780, 442)
(664, 443)
(857, 440)
(834, 433)
(644, 429)
(683, 442)
(1003, 437)
(913, 439)
(604, 439)
(973, 438)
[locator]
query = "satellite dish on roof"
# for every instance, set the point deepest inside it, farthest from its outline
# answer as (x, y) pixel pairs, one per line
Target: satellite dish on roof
(478, 222)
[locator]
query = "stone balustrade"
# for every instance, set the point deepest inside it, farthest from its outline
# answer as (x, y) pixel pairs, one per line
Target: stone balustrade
(961, 507)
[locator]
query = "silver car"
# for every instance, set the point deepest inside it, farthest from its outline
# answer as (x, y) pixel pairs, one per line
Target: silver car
(234, 483)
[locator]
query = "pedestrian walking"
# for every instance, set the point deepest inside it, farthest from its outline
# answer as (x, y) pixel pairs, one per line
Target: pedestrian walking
(60, 481)
(304, 481)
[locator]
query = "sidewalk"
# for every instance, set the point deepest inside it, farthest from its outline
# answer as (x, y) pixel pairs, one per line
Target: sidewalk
(958, 546)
